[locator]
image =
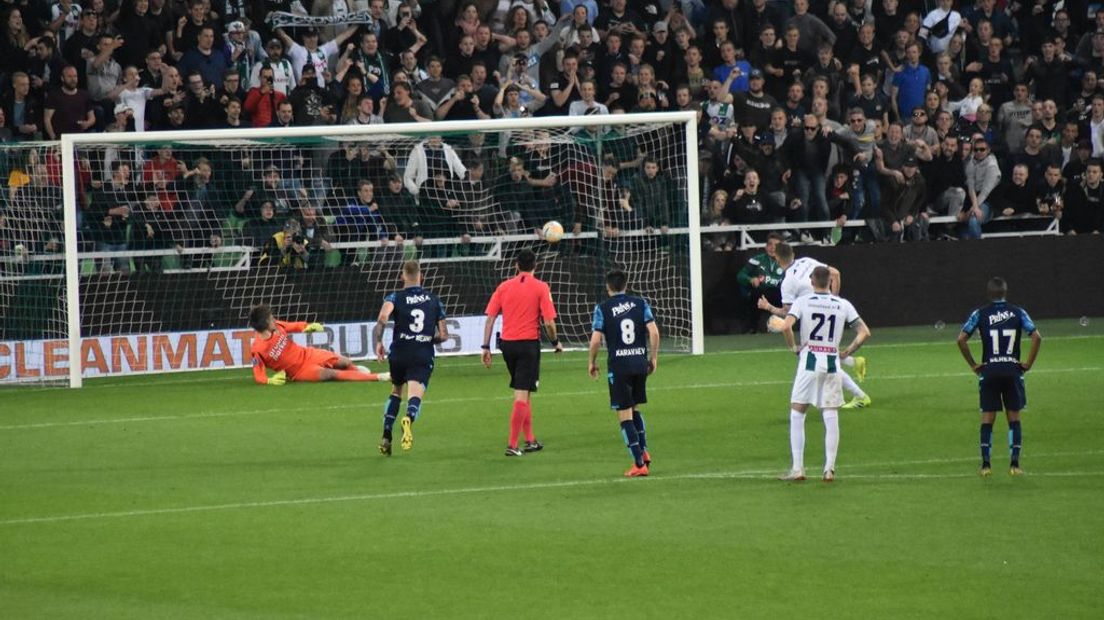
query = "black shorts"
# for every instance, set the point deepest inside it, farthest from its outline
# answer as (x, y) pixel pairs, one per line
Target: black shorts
(627, 390)
(522, 358)
(1002, 393)
(408, 368)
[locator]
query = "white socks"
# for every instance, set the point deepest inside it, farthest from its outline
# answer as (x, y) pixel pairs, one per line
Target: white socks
(831, 437)
(797, 439)
(850, 385)
(848, 361)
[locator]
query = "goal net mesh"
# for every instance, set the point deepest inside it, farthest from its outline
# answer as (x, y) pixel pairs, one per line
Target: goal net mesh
(185, 237)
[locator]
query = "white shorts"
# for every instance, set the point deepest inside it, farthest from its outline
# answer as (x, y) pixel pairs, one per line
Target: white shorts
(822, 390)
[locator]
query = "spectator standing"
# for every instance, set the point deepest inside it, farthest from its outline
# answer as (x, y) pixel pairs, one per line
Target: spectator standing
(910, 82)
(203, 58)
(68, 108)
(261, 101)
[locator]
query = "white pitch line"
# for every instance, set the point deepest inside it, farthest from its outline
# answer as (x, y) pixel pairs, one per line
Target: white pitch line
(496, 398)
(748, 474)
(93, 383)
(548, 395)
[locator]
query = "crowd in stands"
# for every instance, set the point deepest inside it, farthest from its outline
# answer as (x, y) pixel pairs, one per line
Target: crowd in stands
(893, 111)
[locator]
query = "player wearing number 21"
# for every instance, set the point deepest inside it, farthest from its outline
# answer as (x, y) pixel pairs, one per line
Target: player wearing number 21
(419, 325)
(624, 321)
(1000, 373)
(818, 382)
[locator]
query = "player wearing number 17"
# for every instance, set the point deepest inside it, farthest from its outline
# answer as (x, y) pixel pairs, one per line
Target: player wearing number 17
(623, 320)
(818, 382)
(1000, 373)
(419, 325)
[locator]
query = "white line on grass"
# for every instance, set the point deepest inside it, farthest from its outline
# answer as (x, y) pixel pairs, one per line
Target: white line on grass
(446, 401)
(159, 381)
(749, 474)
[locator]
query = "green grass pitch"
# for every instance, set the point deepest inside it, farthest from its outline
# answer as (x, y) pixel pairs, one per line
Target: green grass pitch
(205, 496)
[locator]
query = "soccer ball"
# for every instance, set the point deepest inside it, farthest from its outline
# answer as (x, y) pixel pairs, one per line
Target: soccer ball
(775, 324)
(553, 231)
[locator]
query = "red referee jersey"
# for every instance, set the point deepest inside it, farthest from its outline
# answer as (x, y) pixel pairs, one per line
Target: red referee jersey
(523, 301)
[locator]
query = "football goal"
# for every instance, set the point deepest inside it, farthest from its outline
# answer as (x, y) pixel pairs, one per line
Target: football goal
(143, 253)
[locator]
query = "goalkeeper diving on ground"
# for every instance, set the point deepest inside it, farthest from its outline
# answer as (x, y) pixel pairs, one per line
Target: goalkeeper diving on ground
(273, 348)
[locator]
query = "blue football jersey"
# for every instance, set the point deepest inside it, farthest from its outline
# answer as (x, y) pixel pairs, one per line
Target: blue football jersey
(623, 319)
(416, 314)
(999, 325)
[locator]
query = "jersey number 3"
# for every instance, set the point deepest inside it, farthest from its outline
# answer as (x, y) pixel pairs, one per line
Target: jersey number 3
(419, 321)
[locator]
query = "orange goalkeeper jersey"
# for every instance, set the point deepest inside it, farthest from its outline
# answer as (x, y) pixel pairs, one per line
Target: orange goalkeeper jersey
(278, 351)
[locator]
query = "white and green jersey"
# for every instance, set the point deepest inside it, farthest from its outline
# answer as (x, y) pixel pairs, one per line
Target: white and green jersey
(798, 279)
(823, 317)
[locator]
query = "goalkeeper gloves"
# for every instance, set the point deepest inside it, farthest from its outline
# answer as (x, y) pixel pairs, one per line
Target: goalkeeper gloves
(312, 327)
(279, 378)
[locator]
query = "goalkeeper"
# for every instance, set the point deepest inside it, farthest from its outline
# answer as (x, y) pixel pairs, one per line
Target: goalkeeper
(273, 348)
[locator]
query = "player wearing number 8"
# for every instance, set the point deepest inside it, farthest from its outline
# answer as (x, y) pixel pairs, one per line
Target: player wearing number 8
(419, 325)
(1000, 373)
(623, 320)
(819, 376)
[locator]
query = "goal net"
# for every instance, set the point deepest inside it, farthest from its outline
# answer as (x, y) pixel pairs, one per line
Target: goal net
(179, 235)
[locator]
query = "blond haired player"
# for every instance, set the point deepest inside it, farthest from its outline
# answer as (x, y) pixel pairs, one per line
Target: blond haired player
(818, 382)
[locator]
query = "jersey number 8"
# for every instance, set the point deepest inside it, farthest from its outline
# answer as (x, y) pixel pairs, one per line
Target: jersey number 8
(628, 331)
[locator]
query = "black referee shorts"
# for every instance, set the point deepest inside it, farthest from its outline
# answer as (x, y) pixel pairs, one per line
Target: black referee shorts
(522, 358)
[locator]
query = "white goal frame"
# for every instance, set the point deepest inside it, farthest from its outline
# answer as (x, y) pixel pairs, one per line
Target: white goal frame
(70, 142)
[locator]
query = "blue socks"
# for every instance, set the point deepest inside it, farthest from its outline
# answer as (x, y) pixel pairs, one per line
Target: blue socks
(986, 443)
(638, 422)
(628, 431)
(413, 407)
(1015, 438)
(390, 412)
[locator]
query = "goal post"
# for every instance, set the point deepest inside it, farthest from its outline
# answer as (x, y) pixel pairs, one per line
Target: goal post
(146, 290)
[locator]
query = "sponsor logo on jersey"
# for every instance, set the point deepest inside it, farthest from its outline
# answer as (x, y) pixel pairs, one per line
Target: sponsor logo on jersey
(413, 300)
(1001, 316)
(622, 308)
(278, 349)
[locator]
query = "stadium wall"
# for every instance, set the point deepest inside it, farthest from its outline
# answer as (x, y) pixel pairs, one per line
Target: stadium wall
(896, 284)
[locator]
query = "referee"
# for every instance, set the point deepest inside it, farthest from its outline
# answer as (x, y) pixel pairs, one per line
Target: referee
(524, 303)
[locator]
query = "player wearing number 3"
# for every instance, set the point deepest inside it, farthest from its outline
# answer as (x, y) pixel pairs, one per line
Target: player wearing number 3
(623, 320)
(419, 325)
(818, 382)
(272, 348)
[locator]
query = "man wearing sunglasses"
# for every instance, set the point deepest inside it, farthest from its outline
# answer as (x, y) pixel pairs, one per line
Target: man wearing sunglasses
(982, 177)
(858, 139)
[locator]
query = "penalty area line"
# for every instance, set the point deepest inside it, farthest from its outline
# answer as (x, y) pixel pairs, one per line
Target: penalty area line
(749, 474)
(447, 401)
